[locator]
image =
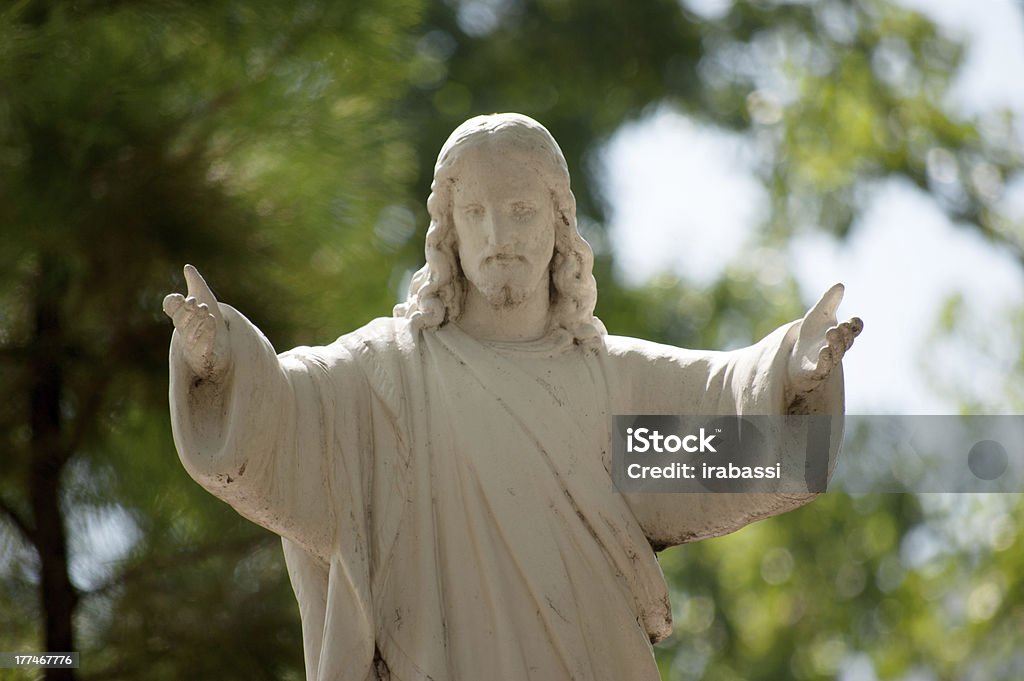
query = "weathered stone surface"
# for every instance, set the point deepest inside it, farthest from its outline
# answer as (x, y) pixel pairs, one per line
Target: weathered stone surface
(440, 477)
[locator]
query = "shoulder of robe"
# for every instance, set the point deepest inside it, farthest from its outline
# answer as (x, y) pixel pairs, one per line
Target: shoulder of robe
(377, 351)
(639, 350)
(380, 349)
(382, 336)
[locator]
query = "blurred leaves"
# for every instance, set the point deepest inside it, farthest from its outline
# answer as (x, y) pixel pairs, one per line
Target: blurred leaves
(871, 581)
(286, 149)
(137, 137)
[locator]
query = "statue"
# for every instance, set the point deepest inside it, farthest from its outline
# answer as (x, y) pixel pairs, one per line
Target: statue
(440, 478)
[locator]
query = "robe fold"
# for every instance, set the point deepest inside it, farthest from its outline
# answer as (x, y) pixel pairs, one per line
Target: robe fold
(446, 504)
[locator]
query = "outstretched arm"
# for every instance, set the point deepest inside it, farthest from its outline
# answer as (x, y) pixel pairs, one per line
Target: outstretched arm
(254, 429)
(795, 370)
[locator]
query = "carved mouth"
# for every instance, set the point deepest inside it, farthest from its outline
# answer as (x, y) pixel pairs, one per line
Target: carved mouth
(503, 259)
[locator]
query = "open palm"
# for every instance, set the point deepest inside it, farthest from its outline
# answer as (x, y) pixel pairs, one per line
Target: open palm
(822, 342)
(200, 326)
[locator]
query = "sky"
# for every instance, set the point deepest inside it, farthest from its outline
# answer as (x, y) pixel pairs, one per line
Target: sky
(683, 199)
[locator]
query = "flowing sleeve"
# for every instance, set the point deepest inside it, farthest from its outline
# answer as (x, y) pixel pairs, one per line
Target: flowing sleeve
(649, 378)
(279, 438)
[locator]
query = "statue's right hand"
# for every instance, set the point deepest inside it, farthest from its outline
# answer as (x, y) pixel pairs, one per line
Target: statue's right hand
(200, 326)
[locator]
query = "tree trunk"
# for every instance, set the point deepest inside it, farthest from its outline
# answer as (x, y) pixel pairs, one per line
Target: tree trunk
(57, 594)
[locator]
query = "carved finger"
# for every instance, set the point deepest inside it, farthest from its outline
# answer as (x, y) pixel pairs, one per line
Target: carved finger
(848, 337)
(839, 338)
(834, 339)
(198, 289)
(838, 348)
(206, 328)
(199, 329)
(832, 298)
(844, 336)
(197, 308)
(826, 362)
(828, 303)
(192, 312)
(183, 314)
(172, 303)
(189, 324)
(186, 311)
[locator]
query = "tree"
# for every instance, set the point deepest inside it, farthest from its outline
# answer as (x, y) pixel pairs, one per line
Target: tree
(136, 138)
(287, 150)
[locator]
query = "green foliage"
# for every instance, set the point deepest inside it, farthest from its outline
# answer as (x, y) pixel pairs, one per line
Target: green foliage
(730, 313)
(286, 150)
(136, 138)
(883, 578)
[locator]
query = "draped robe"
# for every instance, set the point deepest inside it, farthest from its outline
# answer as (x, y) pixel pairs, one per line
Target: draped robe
(446, 505)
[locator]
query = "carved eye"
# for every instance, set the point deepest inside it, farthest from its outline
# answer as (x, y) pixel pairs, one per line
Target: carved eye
(523, 211)
(474, 211)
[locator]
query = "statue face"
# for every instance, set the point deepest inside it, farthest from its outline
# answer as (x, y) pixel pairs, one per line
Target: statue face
(504, 219)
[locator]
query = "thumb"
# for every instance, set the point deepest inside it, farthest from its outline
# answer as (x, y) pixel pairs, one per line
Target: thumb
(823, 314)
(198, 289)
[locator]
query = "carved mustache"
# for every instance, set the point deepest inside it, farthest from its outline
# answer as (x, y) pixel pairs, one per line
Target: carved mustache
(501, 258)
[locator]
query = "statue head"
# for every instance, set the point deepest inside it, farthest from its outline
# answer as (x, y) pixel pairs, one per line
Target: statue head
(438, 289)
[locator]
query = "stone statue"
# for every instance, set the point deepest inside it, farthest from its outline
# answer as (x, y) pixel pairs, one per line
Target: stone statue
(440, 478)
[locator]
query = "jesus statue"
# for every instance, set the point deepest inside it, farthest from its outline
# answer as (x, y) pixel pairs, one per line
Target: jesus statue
(441, 477)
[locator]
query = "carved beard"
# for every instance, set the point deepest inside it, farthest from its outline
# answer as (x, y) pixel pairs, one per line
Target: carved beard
(497, 290)
(502, 297)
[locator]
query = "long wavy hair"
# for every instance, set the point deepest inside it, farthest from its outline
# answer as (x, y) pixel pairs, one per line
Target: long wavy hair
(437, 290)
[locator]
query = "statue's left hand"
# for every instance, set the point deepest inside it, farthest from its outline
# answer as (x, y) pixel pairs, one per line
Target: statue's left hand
(822, 342)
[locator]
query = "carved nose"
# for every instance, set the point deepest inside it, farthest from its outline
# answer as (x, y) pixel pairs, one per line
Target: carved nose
(500, 232)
